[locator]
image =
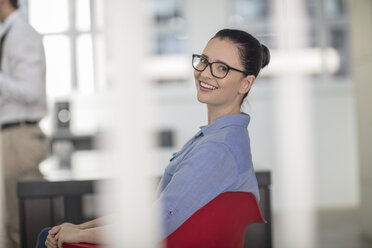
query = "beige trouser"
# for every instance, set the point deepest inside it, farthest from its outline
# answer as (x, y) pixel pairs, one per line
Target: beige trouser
(23, 148)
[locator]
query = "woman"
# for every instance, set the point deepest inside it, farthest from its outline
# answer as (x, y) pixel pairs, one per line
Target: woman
(218, 158)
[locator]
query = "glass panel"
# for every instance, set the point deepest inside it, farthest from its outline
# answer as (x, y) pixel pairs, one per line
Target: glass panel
(82, 15)
(49, 15)
(312, 9)
(171, 33)
(334, 8)
(339, 40)
(99, 62)
(169, 43)
(251, 9)
(164, 9)
(85, 64)
(57, 52)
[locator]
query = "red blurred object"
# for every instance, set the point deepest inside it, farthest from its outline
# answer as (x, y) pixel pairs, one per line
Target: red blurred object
(220, 223)
(81, 245)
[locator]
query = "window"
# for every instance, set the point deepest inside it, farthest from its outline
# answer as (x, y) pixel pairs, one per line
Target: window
(327, 35)
(251, 10)
(329, 28)
(72, 36)
(254, 17)
(170, 26)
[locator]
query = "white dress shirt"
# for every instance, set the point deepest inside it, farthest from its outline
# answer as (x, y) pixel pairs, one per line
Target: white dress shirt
(22, 74)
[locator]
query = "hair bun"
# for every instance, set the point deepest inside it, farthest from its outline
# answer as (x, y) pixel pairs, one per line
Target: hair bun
(265, 56)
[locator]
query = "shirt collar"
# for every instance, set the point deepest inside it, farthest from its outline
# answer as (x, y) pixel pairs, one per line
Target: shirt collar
(9, 21)
(224, 121)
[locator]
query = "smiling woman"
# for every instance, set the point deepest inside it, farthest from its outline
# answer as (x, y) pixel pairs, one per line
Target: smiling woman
(218, 158)
(237, 60)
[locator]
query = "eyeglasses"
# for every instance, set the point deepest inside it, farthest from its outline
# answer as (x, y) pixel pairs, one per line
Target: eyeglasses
(218, 69)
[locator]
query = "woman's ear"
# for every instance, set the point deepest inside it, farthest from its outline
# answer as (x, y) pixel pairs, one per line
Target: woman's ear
(247, 83)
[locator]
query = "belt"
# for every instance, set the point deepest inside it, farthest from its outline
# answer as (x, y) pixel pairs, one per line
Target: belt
(18, 123)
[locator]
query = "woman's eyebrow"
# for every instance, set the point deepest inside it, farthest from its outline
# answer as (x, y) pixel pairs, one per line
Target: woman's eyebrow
(219, 61)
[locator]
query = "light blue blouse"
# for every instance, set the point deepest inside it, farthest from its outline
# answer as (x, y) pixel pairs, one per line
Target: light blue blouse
(217, 159)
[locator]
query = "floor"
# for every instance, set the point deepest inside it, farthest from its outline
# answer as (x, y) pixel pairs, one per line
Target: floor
(335, 229)
(340, 228)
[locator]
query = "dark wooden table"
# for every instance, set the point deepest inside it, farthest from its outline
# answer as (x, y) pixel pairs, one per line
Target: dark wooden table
(45, 203)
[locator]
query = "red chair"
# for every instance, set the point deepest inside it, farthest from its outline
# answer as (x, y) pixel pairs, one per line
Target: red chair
(220, 223)
(81, 245)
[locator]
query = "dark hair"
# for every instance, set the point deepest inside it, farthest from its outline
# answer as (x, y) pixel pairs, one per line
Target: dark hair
(254, 56)
(14, 3)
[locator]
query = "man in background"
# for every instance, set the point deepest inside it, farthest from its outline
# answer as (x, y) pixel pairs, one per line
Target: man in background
(22, 105)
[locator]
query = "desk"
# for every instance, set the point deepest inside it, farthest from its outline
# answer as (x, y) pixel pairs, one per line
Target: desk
(45, 203)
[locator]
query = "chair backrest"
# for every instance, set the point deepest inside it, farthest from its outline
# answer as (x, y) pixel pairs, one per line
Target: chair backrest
(220, 223)
(81, 245)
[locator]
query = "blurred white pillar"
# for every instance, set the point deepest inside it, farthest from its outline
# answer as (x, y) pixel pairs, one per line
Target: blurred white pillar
(293, 174)
(128, 115)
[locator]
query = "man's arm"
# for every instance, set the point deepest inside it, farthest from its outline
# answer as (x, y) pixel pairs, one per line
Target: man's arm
(26, 61)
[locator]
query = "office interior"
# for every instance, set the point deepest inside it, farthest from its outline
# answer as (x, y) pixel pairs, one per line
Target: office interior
(122, 100)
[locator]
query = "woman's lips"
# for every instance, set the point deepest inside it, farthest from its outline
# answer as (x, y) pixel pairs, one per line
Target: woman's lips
(207, 87)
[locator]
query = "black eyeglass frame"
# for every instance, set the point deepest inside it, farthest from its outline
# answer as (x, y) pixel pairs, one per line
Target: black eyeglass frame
(210, 66)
